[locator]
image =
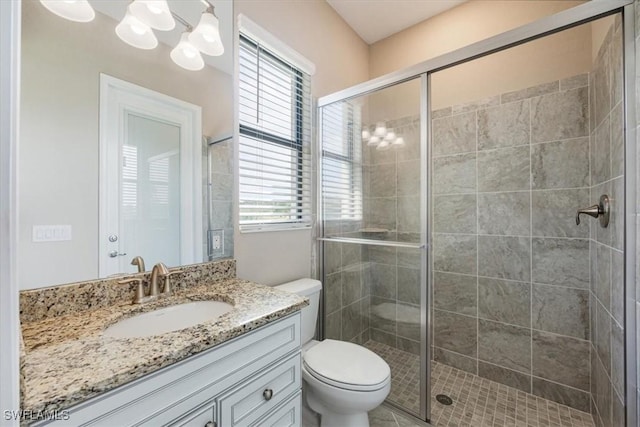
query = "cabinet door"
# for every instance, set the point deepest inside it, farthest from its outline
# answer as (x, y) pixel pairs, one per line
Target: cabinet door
(203, 417)
(260, 394)
(287, 415)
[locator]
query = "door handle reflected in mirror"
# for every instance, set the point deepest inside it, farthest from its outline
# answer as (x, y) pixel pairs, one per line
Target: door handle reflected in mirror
(114, 254)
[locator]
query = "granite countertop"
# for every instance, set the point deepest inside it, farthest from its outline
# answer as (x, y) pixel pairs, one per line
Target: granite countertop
(68, 360)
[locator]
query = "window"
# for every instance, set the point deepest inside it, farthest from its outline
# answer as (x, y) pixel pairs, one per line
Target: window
(274, 151)
(341, 162)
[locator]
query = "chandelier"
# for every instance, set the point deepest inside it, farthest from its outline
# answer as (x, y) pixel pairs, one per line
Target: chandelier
(381, 137)
(144, 16)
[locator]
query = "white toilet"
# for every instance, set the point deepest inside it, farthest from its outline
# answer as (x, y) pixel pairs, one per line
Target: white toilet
(342, 381)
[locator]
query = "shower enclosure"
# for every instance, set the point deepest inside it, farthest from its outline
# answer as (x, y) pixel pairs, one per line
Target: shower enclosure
(447, 225)
(374, 231)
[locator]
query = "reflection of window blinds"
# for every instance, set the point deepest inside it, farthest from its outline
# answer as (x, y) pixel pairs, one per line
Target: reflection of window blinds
(159, 178)
(341, 162)
(159, 170)
(275, 132)
(129, 184)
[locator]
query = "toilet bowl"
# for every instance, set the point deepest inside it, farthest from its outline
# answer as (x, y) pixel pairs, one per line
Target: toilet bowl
(342, 381)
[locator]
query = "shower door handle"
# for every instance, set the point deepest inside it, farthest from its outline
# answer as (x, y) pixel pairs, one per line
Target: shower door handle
(600, 211)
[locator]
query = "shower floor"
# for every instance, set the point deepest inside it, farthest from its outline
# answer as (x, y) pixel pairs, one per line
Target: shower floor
(476, 401)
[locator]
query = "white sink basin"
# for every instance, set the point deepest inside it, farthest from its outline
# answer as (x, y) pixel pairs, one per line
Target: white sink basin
(168, 319)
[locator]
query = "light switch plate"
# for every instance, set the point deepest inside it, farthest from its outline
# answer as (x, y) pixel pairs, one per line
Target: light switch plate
(51, 233)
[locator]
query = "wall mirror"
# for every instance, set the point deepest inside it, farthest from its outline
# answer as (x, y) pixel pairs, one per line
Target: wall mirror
(61, 237)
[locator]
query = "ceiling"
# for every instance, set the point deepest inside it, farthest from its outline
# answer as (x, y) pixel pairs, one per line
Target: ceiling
(375, 20)
(190, 10)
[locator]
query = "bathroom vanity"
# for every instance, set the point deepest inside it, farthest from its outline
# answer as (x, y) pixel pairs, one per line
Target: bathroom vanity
(241, 369)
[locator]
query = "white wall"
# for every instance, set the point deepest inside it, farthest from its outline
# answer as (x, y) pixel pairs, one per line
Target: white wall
(455, 28)
(561, 55)
(315, 30)
(62, 61)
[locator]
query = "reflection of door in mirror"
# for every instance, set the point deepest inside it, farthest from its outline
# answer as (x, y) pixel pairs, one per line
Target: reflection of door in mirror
(149, 198)
(149, 223)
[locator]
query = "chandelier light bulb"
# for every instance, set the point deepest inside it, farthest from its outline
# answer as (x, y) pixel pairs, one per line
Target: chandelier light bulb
(186, 55)
(383, 146)
(366, 134)
(390, 136)
(136, 33)
(154, 13)
(374, 140)
(381, 129)
(73, 10)
(399, 142)
(206, 35)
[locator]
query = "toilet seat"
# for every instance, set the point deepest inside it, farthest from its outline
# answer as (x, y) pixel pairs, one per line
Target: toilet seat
(347, 366)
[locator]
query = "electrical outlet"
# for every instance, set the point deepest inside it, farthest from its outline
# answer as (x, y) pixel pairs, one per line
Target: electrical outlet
(216, 243)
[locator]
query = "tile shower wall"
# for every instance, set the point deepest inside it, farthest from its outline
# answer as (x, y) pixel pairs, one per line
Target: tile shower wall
(373, 292)
(392, 203)
(346, 300)
(221, 193)
(510, 266)
(394, 314)
(607, 244)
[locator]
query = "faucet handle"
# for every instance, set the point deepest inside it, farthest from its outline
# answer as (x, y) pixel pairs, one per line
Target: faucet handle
(600, 211)
(139, 290)
(167, 282)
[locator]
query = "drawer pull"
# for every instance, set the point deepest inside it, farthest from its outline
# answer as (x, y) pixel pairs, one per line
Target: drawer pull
(267, 394)
(210, 424)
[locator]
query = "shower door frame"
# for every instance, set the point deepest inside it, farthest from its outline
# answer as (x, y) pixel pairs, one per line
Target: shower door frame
(544, 27)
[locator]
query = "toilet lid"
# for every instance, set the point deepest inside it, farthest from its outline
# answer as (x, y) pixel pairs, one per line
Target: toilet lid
(346, 365)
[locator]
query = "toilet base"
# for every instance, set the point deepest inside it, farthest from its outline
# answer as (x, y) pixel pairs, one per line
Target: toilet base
(341, 408)
(329, 418)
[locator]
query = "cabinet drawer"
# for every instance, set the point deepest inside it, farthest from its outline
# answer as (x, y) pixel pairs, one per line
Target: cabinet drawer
(202, 417)
(259, 395)
(287, 415)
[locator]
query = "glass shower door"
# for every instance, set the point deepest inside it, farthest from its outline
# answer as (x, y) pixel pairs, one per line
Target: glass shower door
(374, 231)
(528, 307)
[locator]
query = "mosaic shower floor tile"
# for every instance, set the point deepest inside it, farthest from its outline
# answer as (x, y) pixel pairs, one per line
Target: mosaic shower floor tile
(477, 402)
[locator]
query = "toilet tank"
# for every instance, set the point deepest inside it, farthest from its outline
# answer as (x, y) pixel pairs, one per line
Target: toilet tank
(309, 288)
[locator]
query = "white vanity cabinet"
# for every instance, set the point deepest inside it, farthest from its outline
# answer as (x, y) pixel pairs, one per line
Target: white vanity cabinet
(252, 380)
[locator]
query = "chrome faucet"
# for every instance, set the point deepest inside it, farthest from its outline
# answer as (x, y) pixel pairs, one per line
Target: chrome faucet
(139, 262)
(159, 270)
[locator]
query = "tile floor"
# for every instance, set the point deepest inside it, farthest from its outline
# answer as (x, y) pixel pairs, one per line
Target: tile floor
(385, 417)
(379, 417)
(478, 402)
(405, 375)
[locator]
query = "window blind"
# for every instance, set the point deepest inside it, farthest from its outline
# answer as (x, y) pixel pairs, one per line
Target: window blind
(341, 162)
(275, 141)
